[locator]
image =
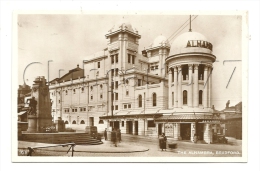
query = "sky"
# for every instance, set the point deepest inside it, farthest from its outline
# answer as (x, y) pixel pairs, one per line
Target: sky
(69, 39)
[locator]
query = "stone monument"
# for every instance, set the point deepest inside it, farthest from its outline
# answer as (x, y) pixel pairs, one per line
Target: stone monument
(39, 114)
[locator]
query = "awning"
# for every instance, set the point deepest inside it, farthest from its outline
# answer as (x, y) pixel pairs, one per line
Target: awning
(21, 113)
(188, 118)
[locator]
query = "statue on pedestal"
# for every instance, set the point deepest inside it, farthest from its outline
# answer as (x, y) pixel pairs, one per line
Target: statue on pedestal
(32, 106)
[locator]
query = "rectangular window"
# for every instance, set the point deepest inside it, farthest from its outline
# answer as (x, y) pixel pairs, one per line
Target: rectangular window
(125, 106)
(139, 82)
(129, 105)
(91, 97)
(101, 96)
(116, 107)
(116, 96)
(112, 96)
(127, 93)
(98, 64)
(151, 124)
(116, 58)
(112, 85)
(112, 59)
(116, 72)
(123, 124)
(116, 86)
(129, 58)
(133, 59)
(156, 67)
(112, 72)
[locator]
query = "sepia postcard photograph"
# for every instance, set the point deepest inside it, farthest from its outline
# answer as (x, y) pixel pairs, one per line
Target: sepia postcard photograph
(129, 86)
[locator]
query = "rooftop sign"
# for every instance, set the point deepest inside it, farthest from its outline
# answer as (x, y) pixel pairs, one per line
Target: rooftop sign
(199, 43)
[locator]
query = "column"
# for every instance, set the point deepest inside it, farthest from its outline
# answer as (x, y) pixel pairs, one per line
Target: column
(176, 131)
(175, 87)
(170, 88)
(207, 133)
(109, 84)
(193, 131)
(196, 86)
(190, 86)
(133, 128)
(141, 127)
(179, 86)
(205, 87)
(210, 87)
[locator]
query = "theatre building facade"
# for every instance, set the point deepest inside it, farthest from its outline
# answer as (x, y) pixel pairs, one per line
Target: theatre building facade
(167, 88)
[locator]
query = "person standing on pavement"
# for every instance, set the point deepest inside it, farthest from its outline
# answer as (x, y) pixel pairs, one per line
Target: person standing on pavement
(162, 142)
(105, 134)
(119, 135)
(114, 137)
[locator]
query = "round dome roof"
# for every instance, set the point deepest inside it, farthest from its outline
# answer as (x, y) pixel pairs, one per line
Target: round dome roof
(160, 41)
(190, 42)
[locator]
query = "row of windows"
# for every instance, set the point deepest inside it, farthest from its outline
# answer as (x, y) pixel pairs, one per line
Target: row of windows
(74, 122)
(114, 58)
(185, 97)
(82, 109)
(127, 106)
(154, 100)
(131, 57)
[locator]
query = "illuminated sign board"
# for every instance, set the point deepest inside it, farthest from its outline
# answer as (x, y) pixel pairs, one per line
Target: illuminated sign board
(199, 43)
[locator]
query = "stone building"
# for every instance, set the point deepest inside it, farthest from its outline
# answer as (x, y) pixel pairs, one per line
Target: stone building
(167, 88)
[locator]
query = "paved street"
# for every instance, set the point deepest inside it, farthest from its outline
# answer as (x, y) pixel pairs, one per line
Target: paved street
(139, 146)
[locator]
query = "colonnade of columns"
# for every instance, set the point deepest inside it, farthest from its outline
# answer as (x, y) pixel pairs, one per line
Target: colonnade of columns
(192, 86)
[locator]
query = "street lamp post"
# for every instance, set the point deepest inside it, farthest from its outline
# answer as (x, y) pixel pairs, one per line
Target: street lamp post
(60, 95)
(48, 71)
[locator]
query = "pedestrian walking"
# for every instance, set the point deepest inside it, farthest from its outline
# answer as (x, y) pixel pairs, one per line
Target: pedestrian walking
(162, 142)
(114, 137)
(119, 135)
(105, 134)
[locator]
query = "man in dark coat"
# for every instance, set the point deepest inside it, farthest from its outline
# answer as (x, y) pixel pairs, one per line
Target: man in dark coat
(162, 142)
(105, 134)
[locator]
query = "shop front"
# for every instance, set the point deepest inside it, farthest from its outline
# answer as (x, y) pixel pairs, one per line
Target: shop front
(185, 127)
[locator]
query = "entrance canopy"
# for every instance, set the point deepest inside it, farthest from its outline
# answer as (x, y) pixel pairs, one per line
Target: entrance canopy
(202, 118)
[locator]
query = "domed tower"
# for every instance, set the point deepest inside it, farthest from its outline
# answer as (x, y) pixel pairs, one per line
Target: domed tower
(190, 71)
(123, 42)
(157, 53)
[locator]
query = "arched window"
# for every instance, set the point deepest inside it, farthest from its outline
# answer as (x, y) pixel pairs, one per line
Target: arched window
(82, 122)
(101, 86)
(74, 91)
(66, 122)
(82, 89)
(91, 88)
(66, 92)
(154, 99)
(74, 122)
(200, 96)
(184, 97)
(140, 100)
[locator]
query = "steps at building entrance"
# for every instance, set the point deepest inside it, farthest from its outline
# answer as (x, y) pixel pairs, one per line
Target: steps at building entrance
(61, 138)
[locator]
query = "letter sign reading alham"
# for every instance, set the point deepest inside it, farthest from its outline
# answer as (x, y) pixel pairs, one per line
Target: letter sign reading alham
(199, 43)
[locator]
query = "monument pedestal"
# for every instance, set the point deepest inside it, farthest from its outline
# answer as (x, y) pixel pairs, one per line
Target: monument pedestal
(39, 114)
(60, 125)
